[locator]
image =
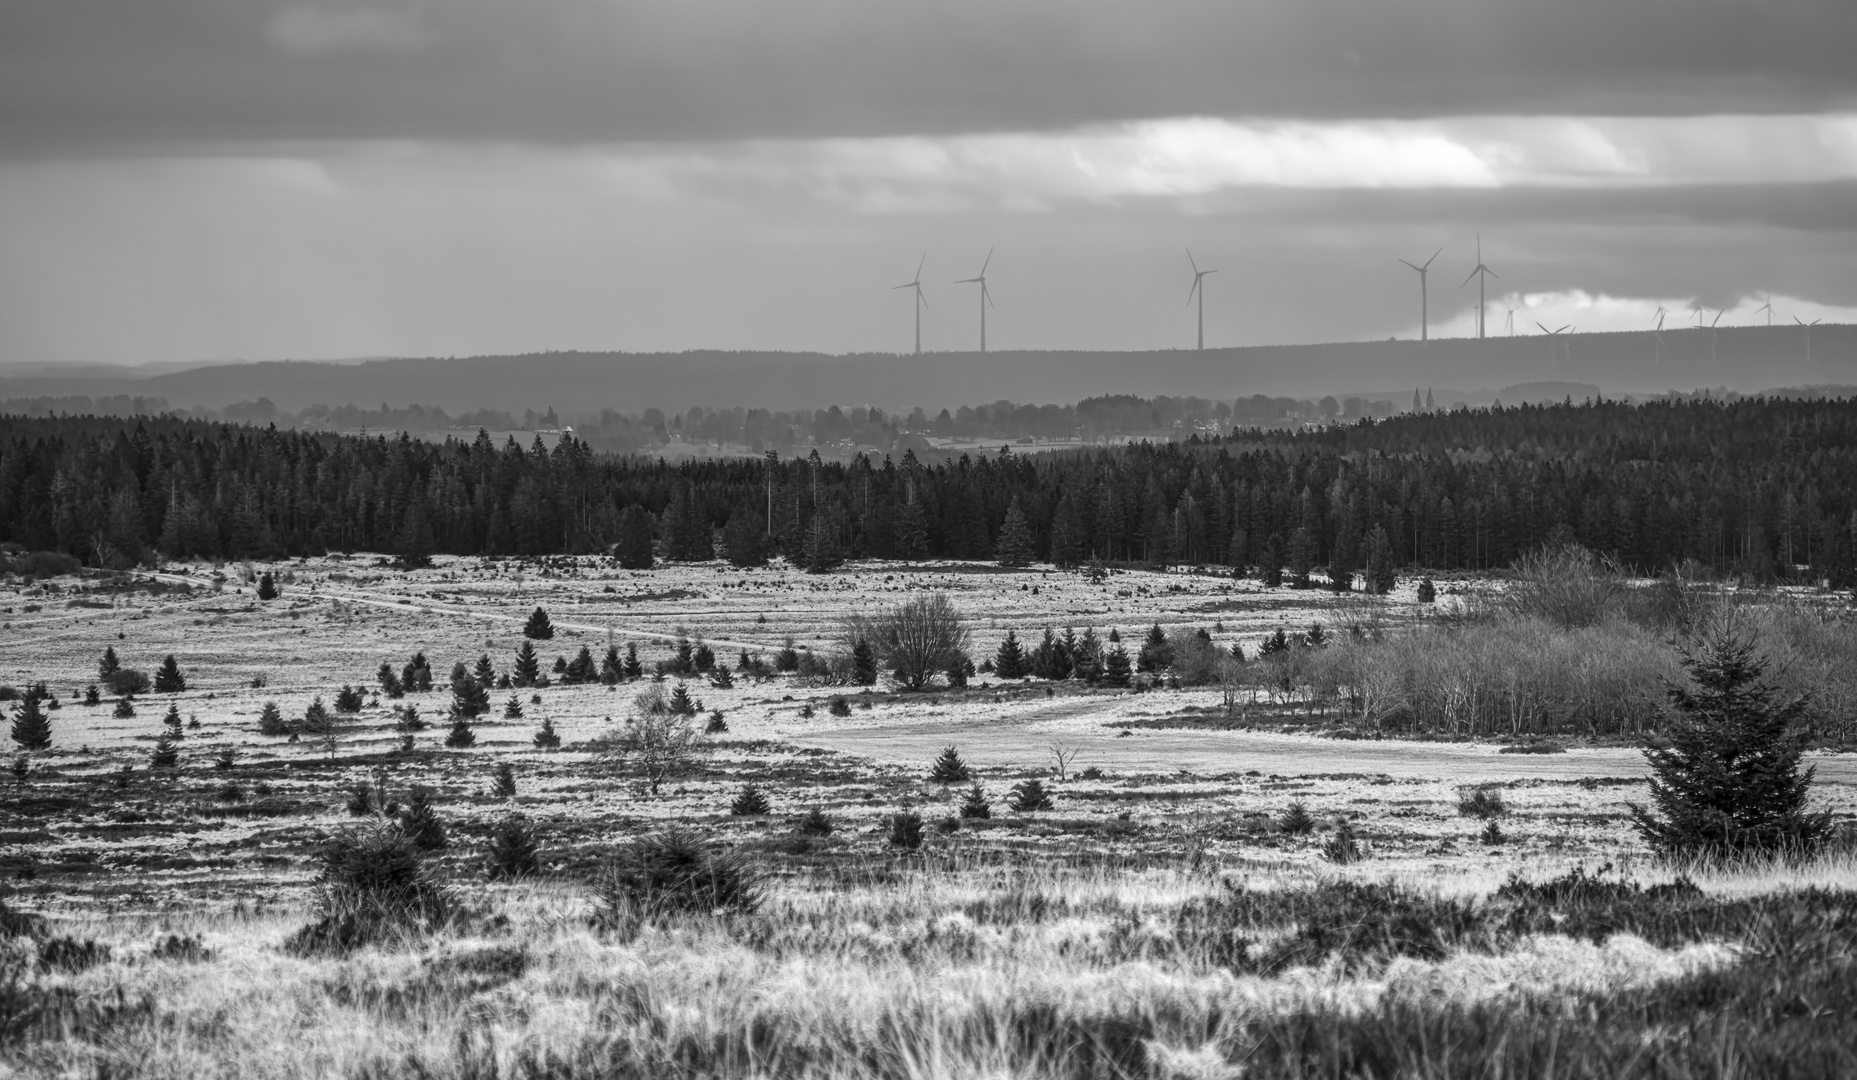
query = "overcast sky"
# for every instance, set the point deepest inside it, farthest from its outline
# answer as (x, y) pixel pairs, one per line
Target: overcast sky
(218, 179)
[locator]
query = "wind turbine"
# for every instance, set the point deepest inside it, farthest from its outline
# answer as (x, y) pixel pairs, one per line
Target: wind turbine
(1657, 335)
(921, 301)
(1424, 302)
(1553, 342)
(1768, 308)
(1697, 310)
(1512, 312)
(1479, 273)
(1197, 288)
(1807, 326)
(1712, 333)
(985, 296)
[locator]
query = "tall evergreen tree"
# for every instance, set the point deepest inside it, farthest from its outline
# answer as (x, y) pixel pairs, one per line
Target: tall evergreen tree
(1014, 547)
(168, 678)
(1379, 574)
(863, 663)
(634, 546)
(528, 667)
(1270, 561)
(1157, 653)
(1009, 658)
(469, 698)
(108, 665)
(32, 728)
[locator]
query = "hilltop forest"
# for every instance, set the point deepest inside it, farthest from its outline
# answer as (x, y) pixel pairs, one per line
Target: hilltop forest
(1764, 488)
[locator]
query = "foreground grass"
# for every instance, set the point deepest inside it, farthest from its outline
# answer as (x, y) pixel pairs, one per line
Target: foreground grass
(980, 971)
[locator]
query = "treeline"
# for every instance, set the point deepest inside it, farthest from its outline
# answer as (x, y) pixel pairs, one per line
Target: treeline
(1765, 488)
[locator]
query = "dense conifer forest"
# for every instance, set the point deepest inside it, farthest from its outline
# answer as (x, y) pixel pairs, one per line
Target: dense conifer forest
(1762, 487)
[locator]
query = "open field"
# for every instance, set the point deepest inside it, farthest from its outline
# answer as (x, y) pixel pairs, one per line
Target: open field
(1066, 942)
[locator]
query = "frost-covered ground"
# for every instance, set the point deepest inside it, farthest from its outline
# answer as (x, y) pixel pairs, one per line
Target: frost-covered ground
(81, 832)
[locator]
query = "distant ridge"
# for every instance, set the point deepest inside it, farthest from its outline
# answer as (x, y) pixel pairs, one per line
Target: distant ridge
(1744, 359)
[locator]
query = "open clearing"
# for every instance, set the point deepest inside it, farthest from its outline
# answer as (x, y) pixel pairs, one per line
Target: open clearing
(1074, 927)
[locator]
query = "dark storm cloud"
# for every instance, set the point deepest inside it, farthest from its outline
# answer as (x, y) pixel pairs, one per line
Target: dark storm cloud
(77, 72)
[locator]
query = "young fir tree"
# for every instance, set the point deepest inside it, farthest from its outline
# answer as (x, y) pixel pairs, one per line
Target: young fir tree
(271, 720)
(172, 721)
(1116, 667)
(168, 678)
(976, 806)
(93, 696)
(546, 738)
(420, 821)
(1014, 547)
(1730, 781)
(634, 669)
(512, 709)
(1157, 653)
(32, 728)
(752, 802)
(390, 683)
(348, 700)
(950, 769)
(528, 667)
(460, 737)
(417, 676)
(165, 755)
(267, 587)
(316, 719)
(125, 708)
(863, 663)
(1009, 658)
(1428, 593)
(582, 669)
(612, 669)
(681, 702)
(469, 698)
(504, 786)
(539, 627)
(109, 665)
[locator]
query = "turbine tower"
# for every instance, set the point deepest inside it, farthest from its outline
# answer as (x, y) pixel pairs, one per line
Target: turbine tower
(1512, 312)
(1712, 333)
(1807, 327)
(1554, 343)
(921, 301)
(1657, 335)
(1424, 301)
(1479, 273)
(1198, 274)
(985, 296)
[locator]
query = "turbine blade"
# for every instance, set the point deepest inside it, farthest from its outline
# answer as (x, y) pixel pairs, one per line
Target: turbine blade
(1408, 264)
(1189, 259)
(1472, 277)
(1434, 256)
(920, 265)
(967, 280)
(1191, 289)
(1490, 272)
(1544, 329)
(1718, 318)
(989, 262)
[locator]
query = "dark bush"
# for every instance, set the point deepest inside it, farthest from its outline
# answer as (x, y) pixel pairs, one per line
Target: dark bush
(1029, 796)
(1482, 801)
(814, 823)
(374, 885)
(1343, 847)
(905, 830)
(348, 700)
(750, 803)
(514, 851)
(1295, 820)
(71, 954)
(124, 681)
(672, 873)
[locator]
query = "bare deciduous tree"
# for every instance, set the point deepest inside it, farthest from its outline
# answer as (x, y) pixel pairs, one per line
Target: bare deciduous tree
(915, 639)
(659, 745)
(1065, 754)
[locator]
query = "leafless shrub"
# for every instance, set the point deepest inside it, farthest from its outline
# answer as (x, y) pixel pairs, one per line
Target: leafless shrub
(915, 639)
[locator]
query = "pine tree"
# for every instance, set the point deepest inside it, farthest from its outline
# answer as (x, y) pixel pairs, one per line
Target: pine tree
(165, 755)
(460, 737)
(634, 669)
(512, 709)
(316, 719)
(1276, 643)
(417, 675)
(267, 587)
(108, 665)
(582, 669)
(635, 538)
(1270, 561)
(538, 628)
(528, 668)
(976, 806)
(1157, 653)
(612, 669)
(681, 703)
(168, 678)
(125, 708)
(546, 738)
(172, 721)
(750, 803)
(911, 532)
(1029, 796)
(1379, 573)
(1116, 667)
(1009, 659)
(950, 769)
(483, 672)
(93, 696)
(504, 786)
(1302, 557)
(469, 699)
(1014, 547)
(271, 721)
(863, 663)
(420, 821)
(32, 728)
(390, 681)
(1428, 593)
(822, 553)
(1730, 781)
(348, 700)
